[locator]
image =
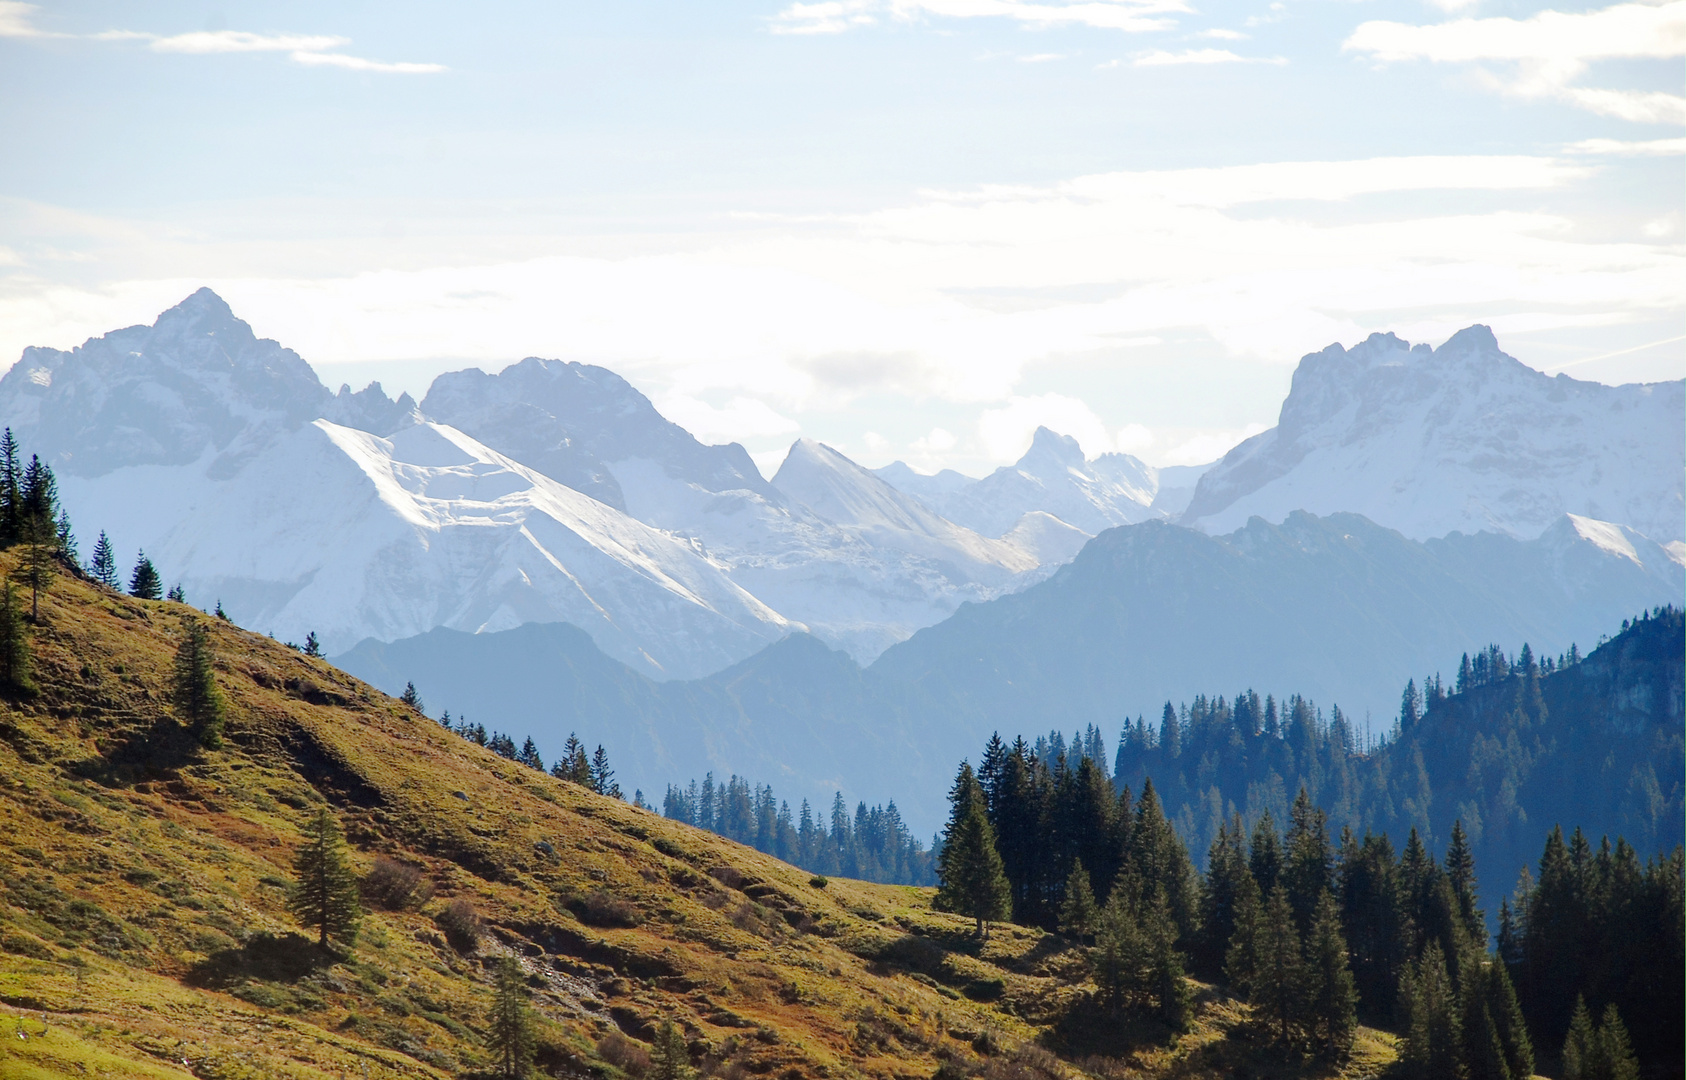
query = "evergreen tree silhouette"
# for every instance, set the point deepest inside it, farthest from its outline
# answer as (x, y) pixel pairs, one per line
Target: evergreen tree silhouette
(199, 702)
(324, 894)
(509, 1027)
(144, 583)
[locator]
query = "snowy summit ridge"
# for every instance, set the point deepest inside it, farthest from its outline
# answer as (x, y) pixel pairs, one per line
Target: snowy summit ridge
(1461, 438)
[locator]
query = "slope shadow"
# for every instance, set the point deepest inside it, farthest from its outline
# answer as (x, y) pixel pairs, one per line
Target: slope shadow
(268, 957)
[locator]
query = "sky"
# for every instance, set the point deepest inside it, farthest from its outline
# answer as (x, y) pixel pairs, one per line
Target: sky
(912, 229)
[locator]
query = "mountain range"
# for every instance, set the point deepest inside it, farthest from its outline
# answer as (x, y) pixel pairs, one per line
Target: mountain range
(836, 625)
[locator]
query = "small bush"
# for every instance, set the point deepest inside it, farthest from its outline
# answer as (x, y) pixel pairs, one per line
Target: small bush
(600, 907)
(819, 881)
(624, 1054)
(395, 886)
(727, 876)
(460, 924)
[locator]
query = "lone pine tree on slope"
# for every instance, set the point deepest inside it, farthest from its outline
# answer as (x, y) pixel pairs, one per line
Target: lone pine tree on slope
(198, 700)
(103, 568)
(324, 896)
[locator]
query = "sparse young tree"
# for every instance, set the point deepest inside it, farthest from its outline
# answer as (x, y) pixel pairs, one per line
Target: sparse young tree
(198, 700)
(67, 540)
(670, 1059)
(510, 1025)
(324, 896)
(603, 777)
(176, 593)
(312, 647)
(40, 554)
(220, 613)
(144, 583)
(14, 647)
(529, 755)
(103, 568)
(1078, 911)
(411, 698)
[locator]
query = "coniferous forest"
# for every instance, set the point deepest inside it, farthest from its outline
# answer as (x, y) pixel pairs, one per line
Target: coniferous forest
(1319, 931)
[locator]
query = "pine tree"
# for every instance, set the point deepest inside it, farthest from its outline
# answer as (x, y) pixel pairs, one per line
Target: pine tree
(529, 755)
(509, 1027)
(324, 895)
(1432, 1036)
(1580, 1048)
(670, 1059)
(1509, 1022)
(67, 540)
(1121, 956)
(1241, 962)
(176, 593)
(1332, 1000)
(144, 583)
(11, 493)
(220, 613)
(14, 648)
(1306, 870)
(411, 698)
(1264, 859)
(1078, 911)
(198, 700)
(1172, 999)
(1482, 1052)
(103, 568)
(1615, 1052)
(971, 879)
(1278, 982)
(574, 766)
(603, 777)
(312, 647)
(40, 555)
(1460, 871)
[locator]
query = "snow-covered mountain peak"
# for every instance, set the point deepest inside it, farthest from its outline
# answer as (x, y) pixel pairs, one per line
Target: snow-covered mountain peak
(843, 493)
(572, 421)
(1459, 438)
(196, 379)
(1051, 452)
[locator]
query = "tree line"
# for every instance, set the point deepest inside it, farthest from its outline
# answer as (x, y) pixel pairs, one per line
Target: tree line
(1511, 741)
(1318, 932)
(873, 845)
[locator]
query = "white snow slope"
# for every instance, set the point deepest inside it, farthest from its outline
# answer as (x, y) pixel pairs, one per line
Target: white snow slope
(353, 535)
(1460, 438)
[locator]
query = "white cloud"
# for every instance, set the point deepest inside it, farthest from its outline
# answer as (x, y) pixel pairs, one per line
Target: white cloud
(1161, 58)
(1551, 51)
(358, 63)
(207, 42)
(837, 16)
(1222, 34)
(1132, 439)
(308, 49)
(742, 418)
(1039, 58)
(1619, 148)
(1209, 445)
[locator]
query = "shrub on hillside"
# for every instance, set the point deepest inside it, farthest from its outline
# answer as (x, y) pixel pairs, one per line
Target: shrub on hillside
(624, 1054)
(396, 886)
(460, 924)
(600, 907)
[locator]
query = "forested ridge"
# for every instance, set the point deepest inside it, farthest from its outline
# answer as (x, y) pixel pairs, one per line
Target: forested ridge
(1509, 746)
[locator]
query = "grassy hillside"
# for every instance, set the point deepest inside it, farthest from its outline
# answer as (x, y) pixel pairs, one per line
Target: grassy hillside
(144, 928)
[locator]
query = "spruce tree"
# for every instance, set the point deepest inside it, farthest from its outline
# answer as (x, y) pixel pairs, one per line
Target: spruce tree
(103, 568)
(312, 647)
(1332, 1000)
(574, 766)
(1306, 870)
(971, 879)
(176, 593)
(144, 583)
(509, 1028)
(1580, 1048)
(1078, 911)
(1278, 981)
(1509, 1022)
(1173, 1001)
(1460, 871)
(529, 755)
(411, 698)
(324, 894)
(1432, 1036)
(670, 1059)
(198, 700)
(1264, 859)
(1482, 1052)
(1121, 953)
(14, 648)
(40, 558)
(1241, 962)
(11, 489)
(1615, 1052)
(603, 777)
